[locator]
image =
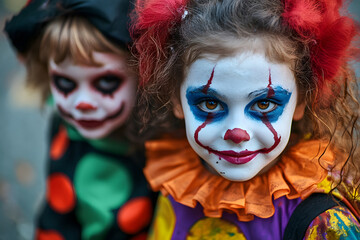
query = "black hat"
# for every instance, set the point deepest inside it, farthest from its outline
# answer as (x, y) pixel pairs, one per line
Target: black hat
(111, 17)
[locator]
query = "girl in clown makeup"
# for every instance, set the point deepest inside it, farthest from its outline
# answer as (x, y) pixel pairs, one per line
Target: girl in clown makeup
(77, 51)
(270, 107)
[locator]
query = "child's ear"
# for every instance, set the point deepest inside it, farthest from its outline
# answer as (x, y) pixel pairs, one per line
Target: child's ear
(177, 108)
(299, 111)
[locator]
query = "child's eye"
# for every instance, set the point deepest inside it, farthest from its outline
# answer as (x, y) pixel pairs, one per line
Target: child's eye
(264, 106)
(107, 84)
(64, 84)
(210, 106)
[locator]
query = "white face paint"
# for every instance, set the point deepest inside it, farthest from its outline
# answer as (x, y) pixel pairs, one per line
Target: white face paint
(95, 100)
(238, 112)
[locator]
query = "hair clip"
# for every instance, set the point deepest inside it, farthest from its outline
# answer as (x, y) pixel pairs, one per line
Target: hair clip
(184, 14)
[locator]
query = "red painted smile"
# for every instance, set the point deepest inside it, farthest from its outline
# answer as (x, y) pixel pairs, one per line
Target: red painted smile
(88, 123)
(234, 157)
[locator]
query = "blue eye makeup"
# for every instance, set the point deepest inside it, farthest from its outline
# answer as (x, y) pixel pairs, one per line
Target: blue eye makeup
(264, 105)
(204, 105)
(267, 106)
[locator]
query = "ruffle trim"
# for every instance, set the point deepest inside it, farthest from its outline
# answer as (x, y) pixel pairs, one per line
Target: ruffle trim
(174, 168)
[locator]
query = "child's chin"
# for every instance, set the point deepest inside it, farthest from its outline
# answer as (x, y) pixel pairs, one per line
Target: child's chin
(94, 133)
(239, 177)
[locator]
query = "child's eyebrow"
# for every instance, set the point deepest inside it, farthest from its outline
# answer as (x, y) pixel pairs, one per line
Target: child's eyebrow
(277, 89)
(54, 72)
(258, 93)
(200, 90)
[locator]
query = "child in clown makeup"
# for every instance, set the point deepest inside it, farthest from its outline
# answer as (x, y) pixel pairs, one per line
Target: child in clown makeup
(77, 51)
(94, 99)
(270, 107)
(242, 117)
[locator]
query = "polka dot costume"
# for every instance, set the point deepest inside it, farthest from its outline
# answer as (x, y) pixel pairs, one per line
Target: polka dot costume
(95, 190)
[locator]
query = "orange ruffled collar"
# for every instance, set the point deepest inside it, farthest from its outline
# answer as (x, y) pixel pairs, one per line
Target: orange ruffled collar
(174, 168)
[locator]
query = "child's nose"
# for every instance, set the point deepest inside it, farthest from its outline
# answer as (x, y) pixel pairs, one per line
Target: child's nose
(237, 135)
(83, 106)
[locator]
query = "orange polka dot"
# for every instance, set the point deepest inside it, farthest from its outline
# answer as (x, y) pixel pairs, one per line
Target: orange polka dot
(59, 144)
(60, 193)
(48, 235)
(141, 236)
(135, 215)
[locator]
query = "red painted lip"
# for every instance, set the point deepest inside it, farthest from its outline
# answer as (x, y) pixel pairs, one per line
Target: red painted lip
(91, 124)
(236, 158)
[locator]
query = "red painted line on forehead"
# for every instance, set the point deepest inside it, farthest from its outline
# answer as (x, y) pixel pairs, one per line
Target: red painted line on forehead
(271, 92)
(207, 86)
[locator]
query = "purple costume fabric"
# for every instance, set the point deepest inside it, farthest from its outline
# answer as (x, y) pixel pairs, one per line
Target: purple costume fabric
(270, 228)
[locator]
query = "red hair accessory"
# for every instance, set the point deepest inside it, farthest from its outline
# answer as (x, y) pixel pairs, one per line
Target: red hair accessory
(154, 22)
(328, 33)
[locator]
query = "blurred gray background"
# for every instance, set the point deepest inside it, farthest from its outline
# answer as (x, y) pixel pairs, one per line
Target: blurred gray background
(23, 134)
(22, 141)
